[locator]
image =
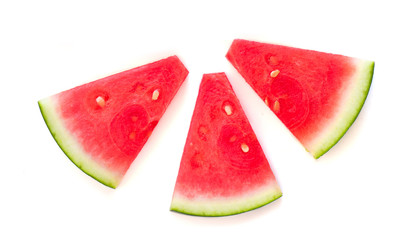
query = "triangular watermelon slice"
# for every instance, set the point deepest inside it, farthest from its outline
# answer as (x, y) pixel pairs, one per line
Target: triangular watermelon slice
(102, 125)
(316, 95)
(223, 169)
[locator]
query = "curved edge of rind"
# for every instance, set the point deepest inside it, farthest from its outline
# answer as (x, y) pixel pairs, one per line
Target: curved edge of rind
(226, 206)
(362, 82)
(70, 147)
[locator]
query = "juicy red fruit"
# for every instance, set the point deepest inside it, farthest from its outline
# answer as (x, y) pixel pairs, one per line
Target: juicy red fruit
(307, 80)
(317, 95)
(214, 162)
(110, 119)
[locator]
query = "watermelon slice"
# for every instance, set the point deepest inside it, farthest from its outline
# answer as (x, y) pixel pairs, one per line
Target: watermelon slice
(102, 125)
(223, 169)
(316, 95)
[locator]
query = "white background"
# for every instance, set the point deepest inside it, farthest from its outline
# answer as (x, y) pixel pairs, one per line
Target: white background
(355, 191)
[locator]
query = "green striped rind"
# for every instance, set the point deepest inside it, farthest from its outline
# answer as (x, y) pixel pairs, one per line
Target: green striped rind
(214, 207)
(72, 148)
(349, 109)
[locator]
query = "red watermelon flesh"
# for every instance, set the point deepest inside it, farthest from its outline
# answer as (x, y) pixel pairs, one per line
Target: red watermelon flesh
(223, 169)
(316, 95)
(102, 125)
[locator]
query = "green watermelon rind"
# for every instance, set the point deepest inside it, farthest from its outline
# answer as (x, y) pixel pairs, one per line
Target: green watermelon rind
(225, 206)
(70, 146)
(350, 108)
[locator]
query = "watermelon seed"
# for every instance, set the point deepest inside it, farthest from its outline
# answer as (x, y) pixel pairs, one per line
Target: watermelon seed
(266, 101)
(273, 60)
(233, 139)
(100, 101)
(276, 107)
(132, 135)
(228, 110)
(155, 95)
(275, 73)
(202, 131)
(245, 148)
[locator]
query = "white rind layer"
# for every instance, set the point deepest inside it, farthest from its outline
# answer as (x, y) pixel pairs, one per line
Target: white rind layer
(223, 206)
(354, 97)
(71, 147)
